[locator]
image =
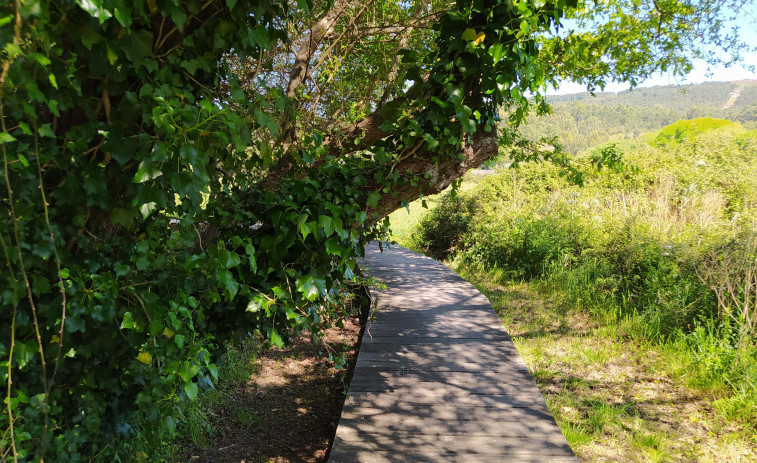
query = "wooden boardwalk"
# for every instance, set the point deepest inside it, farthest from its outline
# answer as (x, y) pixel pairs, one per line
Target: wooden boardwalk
(437, 377)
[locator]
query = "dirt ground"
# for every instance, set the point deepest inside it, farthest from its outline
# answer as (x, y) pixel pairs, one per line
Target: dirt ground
(289, 409)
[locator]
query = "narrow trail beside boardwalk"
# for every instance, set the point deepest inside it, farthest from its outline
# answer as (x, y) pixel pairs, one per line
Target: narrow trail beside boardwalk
(438, 378)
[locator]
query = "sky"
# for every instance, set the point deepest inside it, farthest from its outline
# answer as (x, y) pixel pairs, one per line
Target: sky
(746, 23)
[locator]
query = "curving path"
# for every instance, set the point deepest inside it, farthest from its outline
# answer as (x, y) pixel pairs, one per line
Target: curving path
(437, 377)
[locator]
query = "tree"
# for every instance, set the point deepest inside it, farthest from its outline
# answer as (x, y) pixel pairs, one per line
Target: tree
(180, 174)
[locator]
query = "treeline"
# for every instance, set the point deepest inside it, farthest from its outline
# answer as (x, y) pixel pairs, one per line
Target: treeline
(663, 243)
(580, 121)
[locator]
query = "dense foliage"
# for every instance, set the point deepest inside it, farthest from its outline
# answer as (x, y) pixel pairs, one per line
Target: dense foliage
(663, 243)
(177, 175)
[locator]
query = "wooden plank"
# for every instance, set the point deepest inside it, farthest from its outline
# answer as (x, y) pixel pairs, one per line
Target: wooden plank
(408, 336)
(408, 443)
(461, 398)
(439, 387)
(499, 413)
(470, 349)
(455, 378)
(479, 425)
(340, 455)
(438, 366)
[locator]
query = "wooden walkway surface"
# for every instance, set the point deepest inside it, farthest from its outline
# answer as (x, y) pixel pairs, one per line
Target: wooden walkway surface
(437, 377)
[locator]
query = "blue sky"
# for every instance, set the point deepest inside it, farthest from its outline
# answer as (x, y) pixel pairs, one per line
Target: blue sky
(747, 22)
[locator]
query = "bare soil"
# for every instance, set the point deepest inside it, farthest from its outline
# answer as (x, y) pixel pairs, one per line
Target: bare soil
(289, 409)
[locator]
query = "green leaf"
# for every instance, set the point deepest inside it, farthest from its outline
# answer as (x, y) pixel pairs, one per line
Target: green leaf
(250, 251)
(138, 47)
(179, 340)
(373, 199)
(188, 371)
(123, 217)
(95, 9)
(53, 80)
(230, 284)
(229, 259)
(333, 247)
(147, 208)
(469, 34)
(191, 390)
(213, 370)
(121, 269)
(146, 172)
(260, 34)
(275, 338)
(23, 160)
(231, 3)
(5, 137)
(128, 323)
(327, 224)
(123, 15)
(497, 52)
(311, 286)
(46, 130)
(24, 352)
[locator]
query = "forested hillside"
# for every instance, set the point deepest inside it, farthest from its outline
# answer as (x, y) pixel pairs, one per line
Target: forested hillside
(582, 120)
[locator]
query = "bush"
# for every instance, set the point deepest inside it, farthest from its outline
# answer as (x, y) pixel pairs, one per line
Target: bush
(444, 228)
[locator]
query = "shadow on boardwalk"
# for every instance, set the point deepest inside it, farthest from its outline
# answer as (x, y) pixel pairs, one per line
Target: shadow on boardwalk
(437, 377)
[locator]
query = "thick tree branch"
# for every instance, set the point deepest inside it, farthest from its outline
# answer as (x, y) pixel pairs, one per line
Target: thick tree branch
(310, 44)
(436, 173)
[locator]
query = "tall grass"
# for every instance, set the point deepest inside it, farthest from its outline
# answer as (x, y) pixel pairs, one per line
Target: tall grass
(663, 246)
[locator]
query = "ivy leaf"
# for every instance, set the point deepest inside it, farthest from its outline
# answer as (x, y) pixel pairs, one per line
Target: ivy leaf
(95, 9)
(138, 47)
(213, 370)
(250, 251)
(121, 269)
(497, 52)
(327, 224)
(260, 34)
(46, 130)
(188, 371)
(191, 390)
(147, 208)
(229, 259)
(123, 15)
(5, 137)
(311, 286)
(146, 172)
(25, 351)
(275, 338)
(333, 247)
(230, 284)
(145, 357)
(469, 34)
(128, 323)
(373, 199)
(123, 217)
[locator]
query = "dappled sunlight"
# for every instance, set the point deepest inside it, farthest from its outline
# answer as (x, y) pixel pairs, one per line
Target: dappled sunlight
(437, 376)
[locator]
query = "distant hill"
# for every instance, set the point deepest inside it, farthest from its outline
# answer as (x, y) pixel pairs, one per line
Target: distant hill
(583, 120)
